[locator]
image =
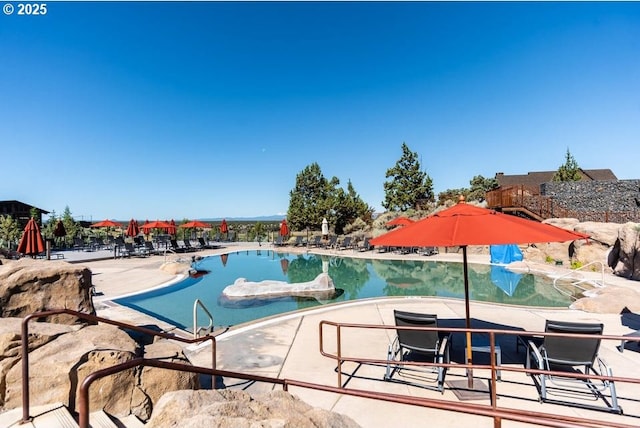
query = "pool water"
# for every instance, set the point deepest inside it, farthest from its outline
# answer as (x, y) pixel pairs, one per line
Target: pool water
(355, 278)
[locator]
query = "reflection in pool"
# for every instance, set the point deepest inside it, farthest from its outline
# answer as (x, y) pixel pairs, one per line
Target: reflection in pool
(355, 278)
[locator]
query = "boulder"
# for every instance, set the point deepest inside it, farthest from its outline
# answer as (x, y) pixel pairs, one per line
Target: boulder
(28, 286)
(605, 233)
(230, 408)
(322, 286)
(624, 258)
(58, 366)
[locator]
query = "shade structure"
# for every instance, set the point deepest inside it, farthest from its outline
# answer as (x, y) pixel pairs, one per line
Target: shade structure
(325, 227)
(400, 221)
(463, 225)
(145, 231)
(223, 226)
(146, 228)
(195, 224)
(284, 228)
(106, 223)
(60, 230)
(132, 229)
(31, 242)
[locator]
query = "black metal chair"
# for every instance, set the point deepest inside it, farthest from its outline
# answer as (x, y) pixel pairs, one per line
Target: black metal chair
(564, 354)
(418, 345)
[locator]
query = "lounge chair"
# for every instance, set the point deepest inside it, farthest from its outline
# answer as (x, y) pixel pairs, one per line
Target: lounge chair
(151, 248)
(187, 245)
(131, 250)
(299, 241)
(345, 244)
(364, 245)
(207, 245)
(278, 242)
(418, 345)
(173, 246)
(564, 354)
(317, 241)
(332, 242)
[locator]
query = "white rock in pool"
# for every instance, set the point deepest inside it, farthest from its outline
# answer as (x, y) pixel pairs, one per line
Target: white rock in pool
(241, 288)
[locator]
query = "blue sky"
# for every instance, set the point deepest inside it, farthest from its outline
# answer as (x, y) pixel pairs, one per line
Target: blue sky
(205, 109)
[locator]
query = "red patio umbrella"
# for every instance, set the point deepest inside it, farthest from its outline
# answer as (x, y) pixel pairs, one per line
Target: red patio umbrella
(106, 223)
(195, 224)
(145, 231)
(132, 229)
(172, 230)
(31, 242)
(284, 228)
(60, 230)
(223, 226)
(400, 221)
(463, 225)
(155, 225)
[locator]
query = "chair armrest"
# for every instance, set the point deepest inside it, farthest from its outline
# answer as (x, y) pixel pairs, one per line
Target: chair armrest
(443, 349)
(537, 355)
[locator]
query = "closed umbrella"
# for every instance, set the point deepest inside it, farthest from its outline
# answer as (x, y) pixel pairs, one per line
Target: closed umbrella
(284, 228)
(325, 228)
(59, 231)
(31, 242)
(223, 226)
(463, 225)
(132, 229)
(172, 230)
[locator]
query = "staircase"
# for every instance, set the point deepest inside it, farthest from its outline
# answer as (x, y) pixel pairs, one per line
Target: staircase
(56, 415)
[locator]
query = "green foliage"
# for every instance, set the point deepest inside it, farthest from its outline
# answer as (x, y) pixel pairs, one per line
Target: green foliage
(479, 188)
(73, 229)
(576, 264)
(570, 171)
(314, 198)
(407, 185)
(452, 196)
(9, 232)
(257, 232)
(549, 259)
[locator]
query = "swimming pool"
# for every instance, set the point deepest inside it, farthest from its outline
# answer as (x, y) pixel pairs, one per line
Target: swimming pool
(356, 278)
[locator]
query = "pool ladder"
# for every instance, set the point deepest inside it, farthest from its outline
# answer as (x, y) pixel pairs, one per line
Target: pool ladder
(577, 282)
(197, 330)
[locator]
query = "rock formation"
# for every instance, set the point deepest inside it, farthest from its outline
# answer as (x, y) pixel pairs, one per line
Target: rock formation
(624, 258)
(28, 286)
(322, 287)
(227, 408)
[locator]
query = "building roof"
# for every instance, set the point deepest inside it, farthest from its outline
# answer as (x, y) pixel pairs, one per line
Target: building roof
(14, 204)
(536, 178)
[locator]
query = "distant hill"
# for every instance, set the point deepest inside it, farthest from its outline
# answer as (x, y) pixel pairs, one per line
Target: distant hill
(275, 217)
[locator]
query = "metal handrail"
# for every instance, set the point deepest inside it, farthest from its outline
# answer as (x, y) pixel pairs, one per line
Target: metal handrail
(340, 359)
(579, 281)
(95, 319)
(196, 329)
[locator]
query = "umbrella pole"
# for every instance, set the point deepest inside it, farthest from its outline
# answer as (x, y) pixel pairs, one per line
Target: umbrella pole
(467, 315)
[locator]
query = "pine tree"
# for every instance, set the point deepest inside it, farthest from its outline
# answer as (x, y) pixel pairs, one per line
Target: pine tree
(570, 171)
(408, 184)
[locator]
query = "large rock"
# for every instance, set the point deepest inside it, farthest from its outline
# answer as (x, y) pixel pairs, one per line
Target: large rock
(28, 286)
(237, 409)
(606, 233)
(625, 254)
(58, 367)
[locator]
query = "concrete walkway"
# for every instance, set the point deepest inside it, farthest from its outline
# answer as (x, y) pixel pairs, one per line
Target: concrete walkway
(289, 346)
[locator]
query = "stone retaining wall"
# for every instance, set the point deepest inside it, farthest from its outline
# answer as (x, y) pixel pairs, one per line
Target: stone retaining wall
(619, 198)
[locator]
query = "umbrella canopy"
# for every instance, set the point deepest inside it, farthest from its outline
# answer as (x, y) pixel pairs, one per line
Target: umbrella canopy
(132, 229)
(146, 228)
(59, 231)
(284, 228)
(195, 224)
(145, 231)
(400, 221)
(463, 225)
(31, 242)
(223, 226)
(106, 223)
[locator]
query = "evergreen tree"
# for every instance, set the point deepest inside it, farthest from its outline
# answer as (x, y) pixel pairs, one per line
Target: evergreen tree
(570, 171)
(9, 232)
(408, 185)
(479, 188)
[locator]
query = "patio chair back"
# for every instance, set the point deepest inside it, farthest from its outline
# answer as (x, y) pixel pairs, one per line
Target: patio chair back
(417, 340)
(572, 351)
